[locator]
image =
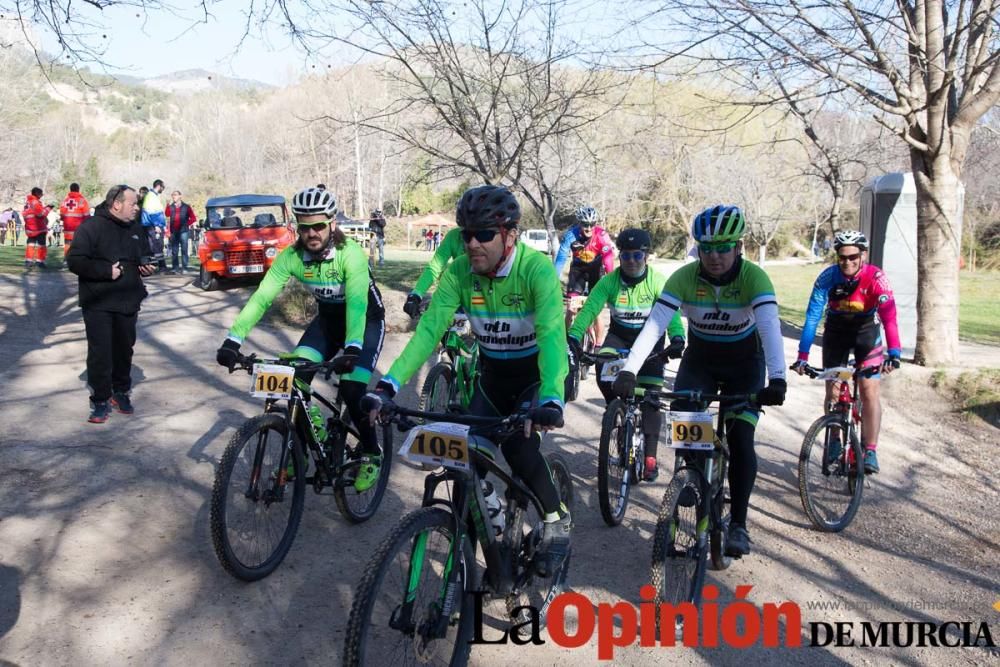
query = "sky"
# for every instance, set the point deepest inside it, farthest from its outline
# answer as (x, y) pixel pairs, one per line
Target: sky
(159, 43)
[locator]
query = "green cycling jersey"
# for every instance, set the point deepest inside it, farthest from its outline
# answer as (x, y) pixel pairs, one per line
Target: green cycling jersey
(515, 316)
(630, 305)
(734, 319)
(450, 248)
(339, 278)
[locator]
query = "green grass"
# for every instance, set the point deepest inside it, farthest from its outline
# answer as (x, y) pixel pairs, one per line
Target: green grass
(12, 258)
(978, 311)
(975, 392)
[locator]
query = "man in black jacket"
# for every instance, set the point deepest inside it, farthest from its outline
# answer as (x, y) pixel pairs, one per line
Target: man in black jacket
(110, 254)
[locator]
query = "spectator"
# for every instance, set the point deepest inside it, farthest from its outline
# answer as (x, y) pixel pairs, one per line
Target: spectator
(826, 245)
(110, 256)
(155, 223)
(6, 222)
(36, 228)
(377, 226)
(74, 210)
(180, 218)
(428, 239)
(57, 232)
(17, 228)
(437, 238)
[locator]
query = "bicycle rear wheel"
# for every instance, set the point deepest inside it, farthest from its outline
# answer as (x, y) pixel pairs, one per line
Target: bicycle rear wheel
(358, 506)
(613, 470)
(678, 567)
(831, 482)
(402, 613)
(534, 590)
(255, 509)
(717, 537)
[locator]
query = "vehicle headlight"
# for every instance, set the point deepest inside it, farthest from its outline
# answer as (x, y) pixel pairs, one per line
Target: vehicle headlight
(218, 255)
(270, 252)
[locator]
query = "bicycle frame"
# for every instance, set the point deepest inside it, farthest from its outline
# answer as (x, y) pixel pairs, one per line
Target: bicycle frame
(464, 361)
(467, 505)
(327, 456)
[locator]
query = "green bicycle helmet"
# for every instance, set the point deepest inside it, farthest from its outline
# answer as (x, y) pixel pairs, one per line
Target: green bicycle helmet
(719, 224)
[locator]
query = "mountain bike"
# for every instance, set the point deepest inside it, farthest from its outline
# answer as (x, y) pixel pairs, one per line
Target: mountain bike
(694, 514)
(622, 451)
(450, 382)
(259, 492)
(415, 602)
(831, 476)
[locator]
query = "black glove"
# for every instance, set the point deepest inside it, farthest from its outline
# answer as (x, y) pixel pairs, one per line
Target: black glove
(574, 346)
(773, 393)
(676, 347)
(345, 362)
(412, 306)
(624, 385)
(891, 364)
(548, 415)
(379, 398)
(228, 354)
(799, 366)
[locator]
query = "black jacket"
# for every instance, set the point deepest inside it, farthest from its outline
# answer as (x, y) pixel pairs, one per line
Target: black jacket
(99, 242)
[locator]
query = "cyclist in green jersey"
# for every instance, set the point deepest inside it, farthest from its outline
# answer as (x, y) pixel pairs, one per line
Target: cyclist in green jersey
(351, 315)
(734, 333)
(630, 292)
(451, 247)
(512, 296)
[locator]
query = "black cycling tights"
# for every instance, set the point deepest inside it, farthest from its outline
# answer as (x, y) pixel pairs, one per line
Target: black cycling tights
(742, 468)
(352, 392)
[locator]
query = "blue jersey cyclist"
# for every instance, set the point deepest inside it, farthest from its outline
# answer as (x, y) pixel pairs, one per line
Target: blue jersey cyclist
(351, 316)
(734, 336)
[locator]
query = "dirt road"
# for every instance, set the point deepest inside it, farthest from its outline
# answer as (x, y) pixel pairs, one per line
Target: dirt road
(106, 559)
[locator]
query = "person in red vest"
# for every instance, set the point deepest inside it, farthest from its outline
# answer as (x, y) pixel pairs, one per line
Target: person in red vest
(36, 228)
(74, 210)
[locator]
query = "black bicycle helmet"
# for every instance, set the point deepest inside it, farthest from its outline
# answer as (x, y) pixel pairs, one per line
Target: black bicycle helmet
(487, 206)
(633, 239)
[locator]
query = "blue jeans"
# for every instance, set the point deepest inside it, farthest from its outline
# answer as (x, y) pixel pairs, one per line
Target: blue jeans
(179, 241)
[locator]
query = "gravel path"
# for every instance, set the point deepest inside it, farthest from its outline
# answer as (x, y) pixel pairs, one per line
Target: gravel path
(106, 559)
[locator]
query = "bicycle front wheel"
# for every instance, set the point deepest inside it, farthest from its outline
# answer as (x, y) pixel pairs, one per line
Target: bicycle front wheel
(257, 503)
(830, 475)
(360, 505)
(613, 465)
(404, 612)
(435, 394)
(678, 568)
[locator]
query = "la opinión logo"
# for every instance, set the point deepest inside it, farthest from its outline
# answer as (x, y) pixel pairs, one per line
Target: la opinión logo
(739, 624)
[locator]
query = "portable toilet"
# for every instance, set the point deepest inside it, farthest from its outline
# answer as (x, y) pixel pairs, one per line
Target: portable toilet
(889, 219)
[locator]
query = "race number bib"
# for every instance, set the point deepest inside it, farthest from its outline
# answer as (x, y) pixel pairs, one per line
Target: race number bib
(611, 369)
(272, 381)
(438, 444)
(692, 430)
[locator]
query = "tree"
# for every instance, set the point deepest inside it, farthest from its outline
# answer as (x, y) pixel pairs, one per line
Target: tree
(928, 69)
(486, 88)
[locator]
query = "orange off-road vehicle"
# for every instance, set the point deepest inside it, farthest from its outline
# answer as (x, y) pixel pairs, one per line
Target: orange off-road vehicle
(242, 236)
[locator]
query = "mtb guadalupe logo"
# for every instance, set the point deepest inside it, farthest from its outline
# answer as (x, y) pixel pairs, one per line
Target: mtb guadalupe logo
(739, 624)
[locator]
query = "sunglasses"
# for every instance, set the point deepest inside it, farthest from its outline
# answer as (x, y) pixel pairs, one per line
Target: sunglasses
(849, 258)
(316, 227)
(633, 256)
(717, 248)
(481, 235)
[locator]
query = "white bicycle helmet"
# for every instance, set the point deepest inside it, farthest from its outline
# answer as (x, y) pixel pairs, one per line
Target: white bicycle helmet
(314, 201)
(587, 215)
(849, 237)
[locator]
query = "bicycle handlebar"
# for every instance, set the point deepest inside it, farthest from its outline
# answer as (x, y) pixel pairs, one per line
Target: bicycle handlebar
(479, 425)
(246, 363)
(814, 371)
(591, 358)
